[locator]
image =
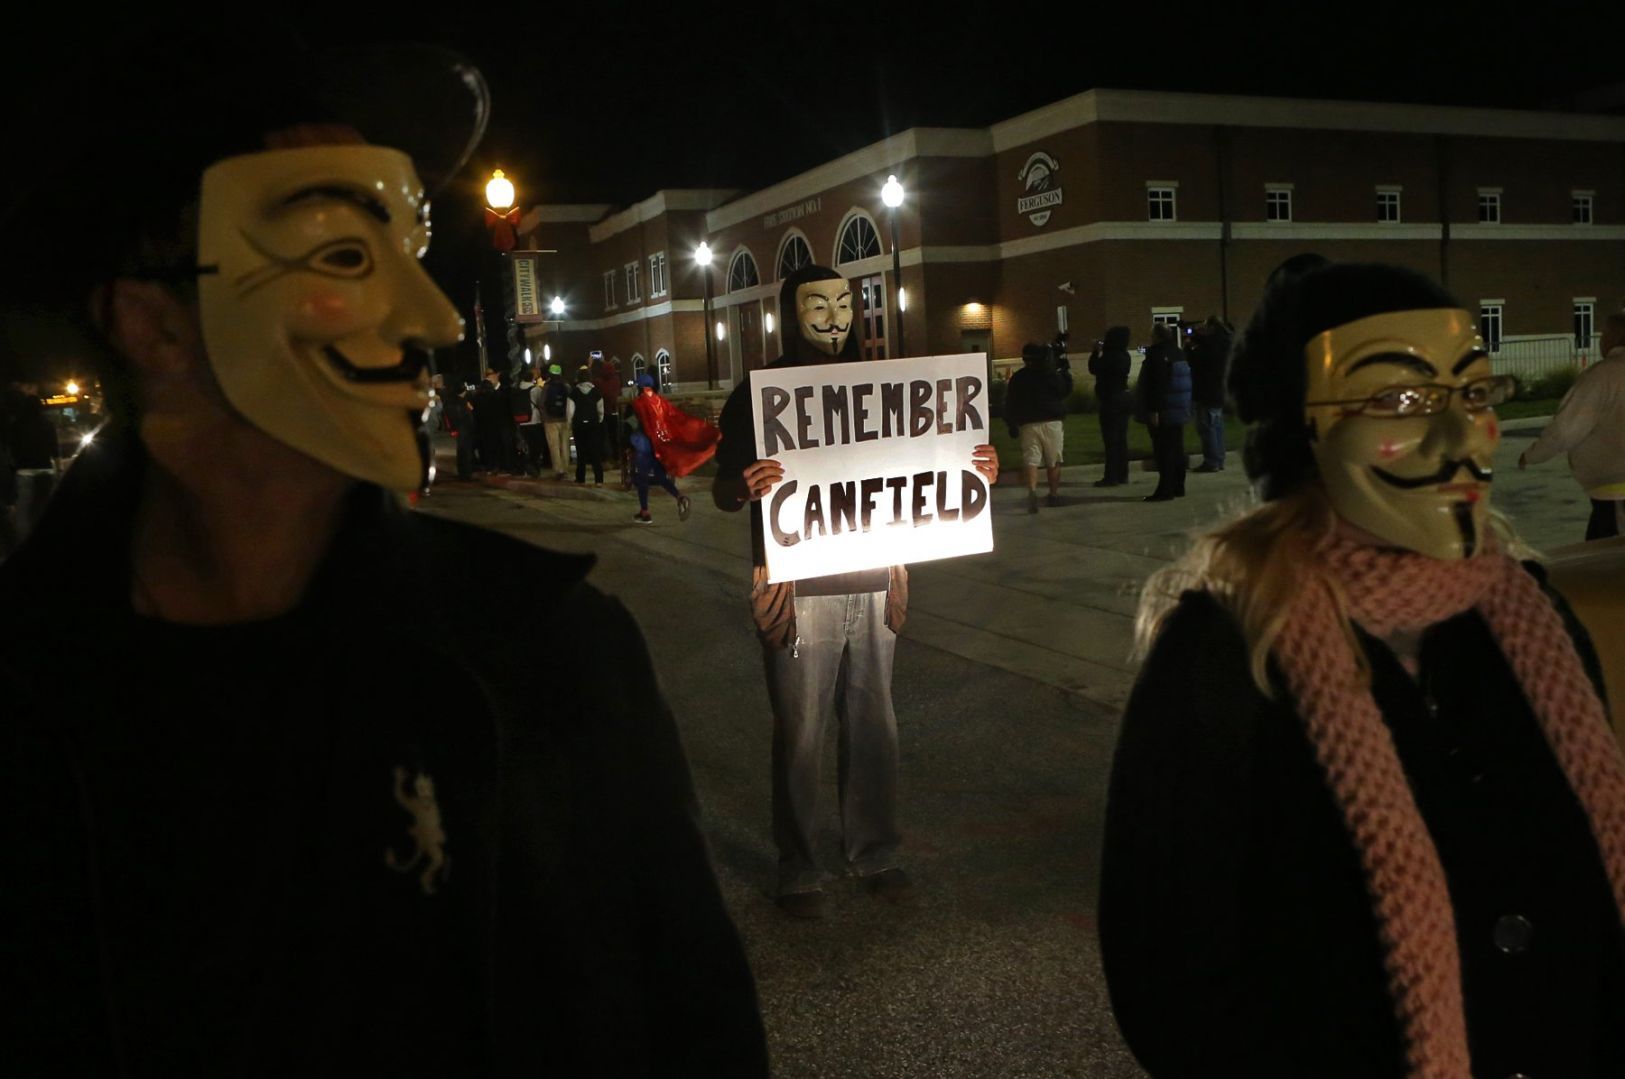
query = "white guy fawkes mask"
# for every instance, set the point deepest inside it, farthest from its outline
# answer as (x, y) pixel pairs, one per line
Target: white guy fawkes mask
(315, 308)
(1404, 428)
(824, 312)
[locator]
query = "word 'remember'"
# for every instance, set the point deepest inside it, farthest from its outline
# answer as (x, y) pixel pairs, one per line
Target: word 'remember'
(866, 412)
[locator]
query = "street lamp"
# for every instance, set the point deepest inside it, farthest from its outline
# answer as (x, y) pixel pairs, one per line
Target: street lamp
(557, 306)
(892, 195)
(501, 215)
(702, 257)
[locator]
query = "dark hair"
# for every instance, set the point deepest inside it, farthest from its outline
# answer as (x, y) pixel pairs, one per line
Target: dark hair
(1116, 339)
(1305, 296)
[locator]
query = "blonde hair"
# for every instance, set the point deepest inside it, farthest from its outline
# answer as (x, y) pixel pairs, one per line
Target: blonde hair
(1258, 564)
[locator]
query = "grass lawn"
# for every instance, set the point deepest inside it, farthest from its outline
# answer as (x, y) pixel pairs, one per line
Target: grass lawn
(1084, 447)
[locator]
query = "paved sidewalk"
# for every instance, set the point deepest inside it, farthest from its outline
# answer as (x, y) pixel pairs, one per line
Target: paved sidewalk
(1055, 600)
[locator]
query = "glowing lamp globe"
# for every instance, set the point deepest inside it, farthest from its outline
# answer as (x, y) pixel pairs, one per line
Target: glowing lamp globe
(499, 191)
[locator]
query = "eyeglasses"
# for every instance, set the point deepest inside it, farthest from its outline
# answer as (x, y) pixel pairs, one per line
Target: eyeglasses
(1429, 399)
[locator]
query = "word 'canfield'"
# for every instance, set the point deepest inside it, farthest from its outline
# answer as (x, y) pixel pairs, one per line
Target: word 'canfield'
(877, 463)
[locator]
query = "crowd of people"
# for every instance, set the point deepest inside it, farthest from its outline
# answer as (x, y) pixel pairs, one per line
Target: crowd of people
(535, 422)
(1181, 380)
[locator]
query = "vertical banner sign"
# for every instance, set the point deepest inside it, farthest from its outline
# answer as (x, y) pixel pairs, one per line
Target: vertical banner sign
(527, 297)
(877, 463)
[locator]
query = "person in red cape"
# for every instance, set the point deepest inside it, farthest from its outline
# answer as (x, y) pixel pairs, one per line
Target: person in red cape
(680, 442)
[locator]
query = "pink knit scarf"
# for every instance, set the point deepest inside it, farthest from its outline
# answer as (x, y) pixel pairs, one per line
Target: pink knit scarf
(1388, 591)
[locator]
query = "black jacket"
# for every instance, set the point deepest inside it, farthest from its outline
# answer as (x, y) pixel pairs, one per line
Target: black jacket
(199, 822)
(1210, 361)
(1110, 364)
(1037, 395)
(1236, 931)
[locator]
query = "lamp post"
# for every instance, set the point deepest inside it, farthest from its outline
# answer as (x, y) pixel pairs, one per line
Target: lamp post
(702, 257)
(502, 218)
(501, 215)
(892, 195)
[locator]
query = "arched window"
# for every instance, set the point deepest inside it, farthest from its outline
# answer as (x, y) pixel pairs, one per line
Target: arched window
(742, 272)
(663, 369)
(639, 365)
(859, 240)
(793, 254)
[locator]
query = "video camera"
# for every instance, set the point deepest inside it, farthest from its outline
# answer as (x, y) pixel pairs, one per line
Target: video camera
(1057, 351)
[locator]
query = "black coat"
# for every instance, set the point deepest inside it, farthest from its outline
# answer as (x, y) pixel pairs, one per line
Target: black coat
(199, 821)
(1210, 361)
(1236, 931)
(1037, 394)
(1110, 367)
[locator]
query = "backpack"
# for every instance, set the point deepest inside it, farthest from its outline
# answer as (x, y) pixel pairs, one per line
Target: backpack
(554, 399)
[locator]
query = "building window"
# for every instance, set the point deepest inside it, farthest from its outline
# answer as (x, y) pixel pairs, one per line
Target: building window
(1160, 203)
(858, 240)
(1585, 321)
(1490, 323)
(663, 370)
(1388, 205)
(1489, 206)
(793, 255)
(873, 345)
(1167, 316)
(639, 366)
(657, 274)
(742, 272)
(631, 282)
(1585, 207)
(1278, 202)
(609, 289)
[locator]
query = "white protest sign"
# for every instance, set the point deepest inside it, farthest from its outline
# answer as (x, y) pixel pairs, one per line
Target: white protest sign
(877, 463)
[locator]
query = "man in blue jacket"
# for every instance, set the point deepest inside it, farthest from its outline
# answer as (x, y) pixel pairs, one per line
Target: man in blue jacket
(1165, 400)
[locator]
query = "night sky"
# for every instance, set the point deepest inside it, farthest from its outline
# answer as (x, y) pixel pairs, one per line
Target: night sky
(612, 104)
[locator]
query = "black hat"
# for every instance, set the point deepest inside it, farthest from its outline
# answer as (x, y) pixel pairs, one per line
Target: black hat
(119, 154)
(93, 185)
(1305, 296)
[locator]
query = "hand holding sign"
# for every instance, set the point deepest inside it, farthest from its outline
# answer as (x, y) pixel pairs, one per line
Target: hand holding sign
(864, 465)
(760, 477)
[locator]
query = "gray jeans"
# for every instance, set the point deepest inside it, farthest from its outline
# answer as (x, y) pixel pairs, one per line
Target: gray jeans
(839, 666)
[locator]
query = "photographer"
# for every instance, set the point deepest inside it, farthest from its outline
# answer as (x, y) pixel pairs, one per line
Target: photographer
(1110, 363)
(1034, 406)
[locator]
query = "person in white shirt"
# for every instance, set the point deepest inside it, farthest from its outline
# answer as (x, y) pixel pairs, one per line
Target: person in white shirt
(1590, 428)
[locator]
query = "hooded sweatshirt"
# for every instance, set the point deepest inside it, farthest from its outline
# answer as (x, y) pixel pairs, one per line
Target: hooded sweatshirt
(1110, 366)
(737, 450)
(1590, 428)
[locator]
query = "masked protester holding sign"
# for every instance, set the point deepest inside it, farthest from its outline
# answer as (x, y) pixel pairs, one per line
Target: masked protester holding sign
(808, 626)
(283, 817)
(1367, 817)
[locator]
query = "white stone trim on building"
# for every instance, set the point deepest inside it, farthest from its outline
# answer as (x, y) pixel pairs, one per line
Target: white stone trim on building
(563, 214)
(651, 311)
(1475, 231)
(1336, 230)
(661, 202)
(1224, 110)
(876, 158)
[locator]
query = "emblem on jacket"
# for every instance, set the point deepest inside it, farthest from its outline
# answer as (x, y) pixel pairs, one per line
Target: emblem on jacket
(426, 831)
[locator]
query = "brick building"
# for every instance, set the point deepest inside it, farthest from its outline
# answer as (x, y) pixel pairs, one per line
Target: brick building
(1110, 207)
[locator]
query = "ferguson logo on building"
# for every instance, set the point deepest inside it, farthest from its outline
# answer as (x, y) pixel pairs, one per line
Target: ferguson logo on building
(1040, 180)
